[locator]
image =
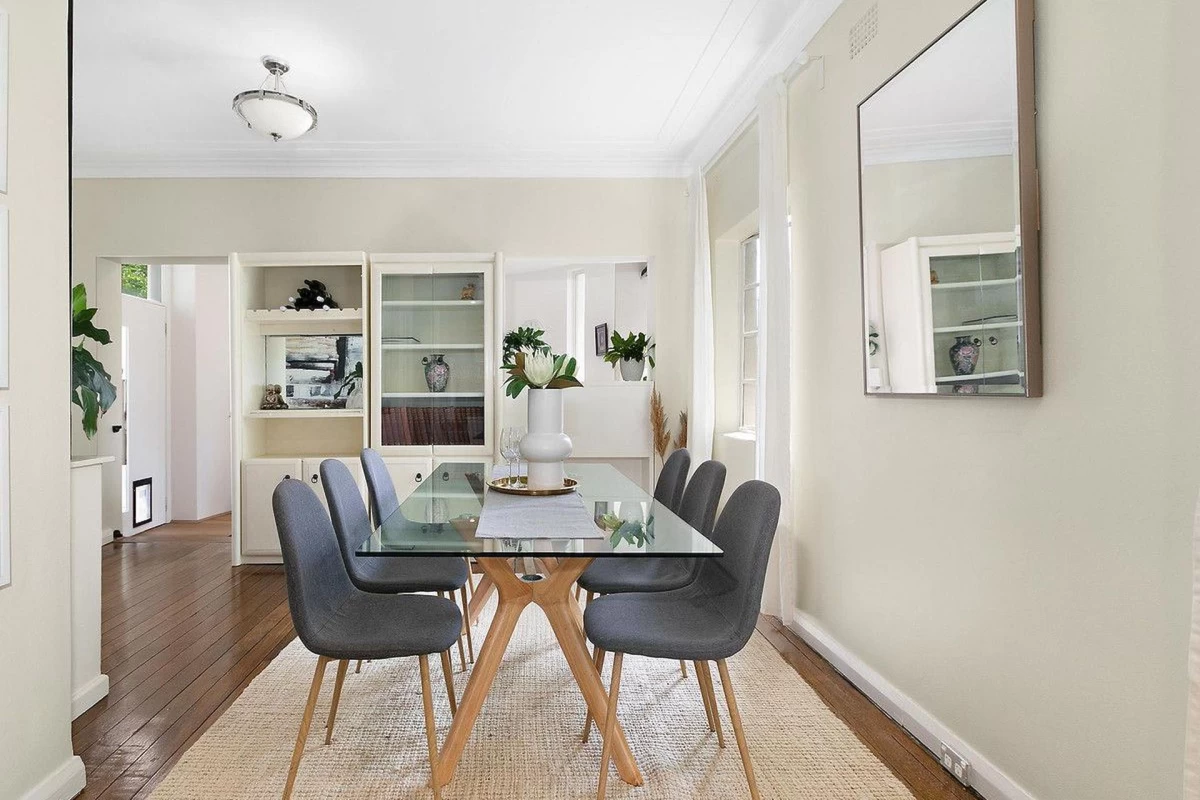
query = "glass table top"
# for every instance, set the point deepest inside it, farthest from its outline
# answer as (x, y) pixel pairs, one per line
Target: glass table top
(441, 515)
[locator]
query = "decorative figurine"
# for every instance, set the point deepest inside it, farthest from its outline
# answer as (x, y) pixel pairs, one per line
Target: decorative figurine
(273, 398)
(468, 292)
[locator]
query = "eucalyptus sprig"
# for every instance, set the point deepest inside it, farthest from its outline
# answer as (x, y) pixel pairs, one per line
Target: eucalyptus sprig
(539, 370)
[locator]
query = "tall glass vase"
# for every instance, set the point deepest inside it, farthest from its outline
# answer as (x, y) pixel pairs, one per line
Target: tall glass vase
(545, 446)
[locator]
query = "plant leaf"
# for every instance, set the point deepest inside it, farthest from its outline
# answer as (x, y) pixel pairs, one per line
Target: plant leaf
(563, 382)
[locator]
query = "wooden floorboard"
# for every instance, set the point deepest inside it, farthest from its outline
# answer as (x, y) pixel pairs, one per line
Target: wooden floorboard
(183, 634)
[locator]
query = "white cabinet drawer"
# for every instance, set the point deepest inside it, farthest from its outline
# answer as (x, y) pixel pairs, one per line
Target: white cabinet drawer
(260, 476)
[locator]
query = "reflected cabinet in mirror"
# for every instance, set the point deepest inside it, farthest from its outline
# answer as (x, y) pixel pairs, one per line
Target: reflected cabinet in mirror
(948, 195)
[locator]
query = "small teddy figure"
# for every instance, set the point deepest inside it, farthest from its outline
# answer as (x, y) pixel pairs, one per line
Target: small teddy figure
(468, 292)
(273, 398)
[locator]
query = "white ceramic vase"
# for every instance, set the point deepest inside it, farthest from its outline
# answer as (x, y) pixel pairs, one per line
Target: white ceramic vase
(545, 446)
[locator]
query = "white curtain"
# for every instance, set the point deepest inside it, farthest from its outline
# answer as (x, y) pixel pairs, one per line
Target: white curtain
(1192, 746)
(774, 430)
(702, 414)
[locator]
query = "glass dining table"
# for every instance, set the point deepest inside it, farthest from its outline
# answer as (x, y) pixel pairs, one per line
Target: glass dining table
(442, 517)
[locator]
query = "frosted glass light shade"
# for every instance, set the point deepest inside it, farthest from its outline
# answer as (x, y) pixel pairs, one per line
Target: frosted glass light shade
(275, 114)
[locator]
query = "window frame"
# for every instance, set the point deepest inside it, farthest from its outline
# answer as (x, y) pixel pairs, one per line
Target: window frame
(746, 286)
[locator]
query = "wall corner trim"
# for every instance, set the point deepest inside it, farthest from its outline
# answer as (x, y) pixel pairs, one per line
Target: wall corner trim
(986, 778)
(62, 784)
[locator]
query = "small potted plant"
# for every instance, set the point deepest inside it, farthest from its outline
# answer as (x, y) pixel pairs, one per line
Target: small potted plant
(528, 339)
(545, 446)
(631, 352)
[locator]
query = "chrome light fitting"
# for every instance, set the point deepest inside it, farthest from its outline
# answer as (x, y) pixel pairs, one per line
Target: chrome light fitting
(270, 110)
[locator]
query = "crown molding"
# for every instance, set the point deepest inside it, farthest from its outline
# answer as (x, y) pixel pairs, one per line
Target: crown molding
(741, 103)
(377, 160)
(938, 142)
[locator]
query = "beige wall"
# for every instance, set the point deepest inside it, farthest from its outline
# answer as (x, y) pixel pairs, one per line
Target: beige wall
(524, 218)
(1048, 628)
(35, 670)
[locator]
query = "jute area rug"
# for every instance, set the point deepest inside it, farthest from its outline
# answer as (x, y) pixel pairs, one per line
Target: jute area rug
(526, 743)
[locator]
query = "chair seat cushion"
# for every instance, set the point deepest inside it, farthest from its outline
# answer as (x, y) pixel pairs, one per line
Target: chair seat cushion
(388, 575)
(637, 574)
(689, 624)
(387, 626)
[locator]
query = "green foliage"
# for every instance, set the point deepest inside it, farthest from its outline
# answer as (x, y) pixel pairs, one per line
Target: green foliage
(523, 339)
(633, 347)
(91, 386)
(135, 280)
(351, 381)
(561, 376)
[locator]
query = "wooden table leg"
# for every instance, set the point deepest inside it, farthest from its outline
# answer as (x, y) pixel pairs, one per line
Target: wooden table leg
(482, 593)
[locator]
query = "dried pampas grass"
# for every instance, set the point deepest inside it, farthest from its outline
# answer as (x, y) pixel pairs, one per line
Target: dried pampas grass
(681, 436)
(659, 426)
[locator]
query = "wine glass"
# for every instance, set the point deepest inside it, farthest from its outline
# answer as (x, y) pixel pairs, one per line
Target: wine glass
(510, 448)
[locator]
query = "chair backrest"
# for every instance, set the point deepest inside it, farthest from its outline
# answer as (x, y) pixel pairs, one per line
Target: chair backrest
(380, 487)
(669, 489)
(744, 533)
(346, 508)
(699, 505)
(317, 582)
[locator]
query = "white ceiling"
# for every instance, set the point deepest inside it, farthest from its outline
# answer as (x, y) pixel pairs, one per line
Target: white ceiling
(408, 87)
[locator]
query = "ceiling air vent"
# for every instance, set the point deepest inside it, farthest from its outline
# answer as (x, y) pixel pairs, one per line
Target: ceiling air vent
(864, 30)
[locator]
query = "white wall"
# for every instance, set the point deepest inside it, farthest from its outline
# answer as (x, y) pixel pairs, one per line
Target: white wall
(581, 219)
(199, 391)
(1047, 628)
(35, 623)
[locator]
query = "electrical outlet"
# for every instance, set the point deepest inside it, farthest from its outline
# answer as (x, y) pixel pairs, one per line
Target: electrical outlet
(956, 765)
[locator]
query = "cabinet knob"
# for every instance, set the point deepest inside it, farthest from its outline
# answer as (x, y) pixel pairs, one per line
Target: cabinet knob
(314, 478)
(287, 477)
(418, 477)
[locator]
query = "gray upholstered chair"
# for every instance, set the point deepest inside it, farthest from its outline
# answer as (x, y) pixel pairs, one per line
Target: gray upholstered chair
(711, 619)
(339, 622)
(391, 574)
(668, 490)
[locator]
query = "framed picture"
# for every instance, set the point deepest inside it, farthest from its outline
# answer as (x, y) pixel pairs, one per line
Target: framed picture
(5, 544)
(602, 339)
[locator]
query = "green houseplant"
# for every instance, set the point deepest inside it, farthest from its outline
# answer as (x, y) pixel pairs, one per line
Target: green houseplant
(91, 385)
(630, 352)
(528, 339)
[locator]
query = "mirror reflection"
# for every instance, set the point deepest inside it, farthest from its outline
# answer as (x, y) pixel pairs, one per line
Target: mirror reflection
(940, 176)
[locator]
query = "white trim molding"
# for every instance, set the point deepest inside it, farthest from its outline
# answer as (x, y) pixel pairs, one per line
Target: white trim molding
(88, 695)
(62, 784)
(986, 778)
(939, 142)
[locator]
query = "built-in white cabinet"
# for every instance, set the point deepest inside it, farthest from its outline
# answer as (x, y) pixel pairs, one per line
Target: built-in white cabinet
(312, 475)
(259, 477)
(408, 473)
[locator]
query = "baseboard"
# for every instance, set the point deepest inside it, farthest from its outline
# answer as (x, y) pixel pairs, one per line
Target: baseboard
(62, 784)
(986, 778)
(88, 695)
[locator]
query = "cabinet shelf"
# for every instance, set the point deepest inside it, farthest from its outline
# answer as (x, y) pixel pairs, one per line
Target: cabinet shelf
(983, 376)
(408, 395)
(431, 303)
(305, 413)
(430, 347)
(986, 326)
(276, 316)
(973, 284)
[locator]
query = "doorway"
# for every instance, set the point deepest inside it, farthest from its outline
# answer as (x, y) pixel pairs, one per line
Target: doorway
(144, 379)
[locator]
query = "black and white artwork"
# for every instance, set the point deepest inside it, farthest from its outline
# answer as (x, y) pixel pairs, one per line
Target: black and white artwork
(316, 368)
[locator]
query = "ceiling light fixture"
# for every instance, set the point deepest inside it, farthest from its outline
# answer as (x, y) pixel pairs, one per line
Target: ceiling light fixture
(270, 110)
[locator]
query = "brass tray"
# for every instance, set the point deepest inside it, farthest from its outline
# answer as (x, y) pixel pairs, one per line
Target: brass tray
(522, 488)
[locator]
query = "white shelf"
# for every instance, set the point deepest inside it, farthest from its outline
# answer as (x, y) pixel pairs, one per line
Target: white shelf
(431, 347)
(275, 316)
(983, 376)
(974, 284)
(987, 326)
(306, 413)
(431, 303)
(404, 395)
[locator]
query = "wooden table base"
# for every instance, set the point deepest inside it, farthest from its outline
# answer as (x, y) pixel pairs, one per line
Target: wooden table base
(553, 595)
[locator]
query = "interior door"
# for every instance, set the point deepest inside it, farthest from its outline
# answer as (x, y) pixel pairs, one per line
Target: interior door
(144, 367)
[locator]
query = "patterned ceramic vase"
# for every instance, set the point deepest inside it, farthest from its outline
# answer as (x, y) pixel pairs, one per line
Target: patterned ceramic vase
(437, 372)
(964, 355)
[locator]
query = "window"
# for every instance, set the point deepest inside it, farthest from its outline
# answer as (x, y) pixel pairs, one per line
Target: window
(581, 336)
(749, 315)
(142, 280)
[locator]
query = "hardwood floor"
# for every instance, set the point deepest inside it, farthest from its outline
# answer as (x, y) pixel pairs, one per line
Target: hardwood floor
(183, 633)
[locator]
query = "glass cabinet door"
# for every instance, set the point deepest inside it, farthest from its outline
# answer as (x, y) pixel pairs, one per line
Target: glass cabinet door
(976, 305)
(432, 330)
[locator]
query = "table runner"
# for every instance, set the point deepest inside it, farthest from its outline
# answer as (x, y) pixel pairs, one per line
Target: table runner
(507, 516)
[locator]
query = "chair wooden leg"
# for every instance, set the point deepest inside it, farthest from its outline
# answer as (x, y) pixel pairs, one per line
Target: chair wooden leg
(358, 667)
(470, 575)
(590, 595)
(430, 731)
(305, 723)
(598, 660)
(337, 697)
(449, 682)
(578, 592)
(467, 624)
(736, 718)
(704, 694)
(711, 691)
(683, 667)
(610, 724)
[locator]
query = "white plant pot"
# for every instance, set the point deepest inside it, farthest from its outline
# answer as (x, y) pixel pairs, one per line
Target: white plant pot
(545, 446)
(632, 370)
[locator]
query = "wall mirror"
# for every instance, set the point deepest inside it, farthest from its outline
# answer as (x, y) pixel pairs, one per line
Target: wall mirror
(948, 200)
